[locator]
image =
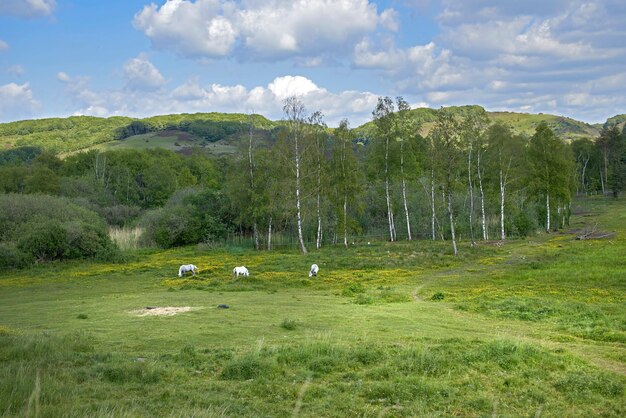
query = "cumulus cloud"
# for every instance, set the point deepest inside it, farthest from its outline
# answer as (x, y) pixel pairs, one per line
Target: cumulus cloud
(27, 8)
(17, 101)
(141, 74)
(261, 29)
(526, 56)
(192, 96)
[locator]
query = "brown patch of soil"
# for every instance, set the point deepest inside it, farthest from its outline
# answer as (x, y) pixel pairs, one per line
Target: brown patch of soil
(161, 310)
(180, 136)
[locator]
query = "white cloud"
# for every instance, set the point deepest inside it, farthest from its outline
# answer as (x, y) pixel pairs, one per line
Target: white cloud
(27, 8)
(61, 76)
(192, 96)
(141, 74)
(283, 87)
(261, 29)
(3, 45)
(17, 101)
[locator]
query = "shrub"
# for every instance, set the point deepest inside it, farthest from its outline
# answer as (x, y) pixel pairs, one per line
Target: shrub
(191, 216)
(437, 296)
(45, 228)
(11, 256)
(289, 324)
(43, 240)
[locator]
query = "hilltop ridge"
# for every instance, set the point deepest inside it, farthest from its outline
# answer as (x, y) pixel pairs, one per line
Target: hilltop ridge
(177, 131)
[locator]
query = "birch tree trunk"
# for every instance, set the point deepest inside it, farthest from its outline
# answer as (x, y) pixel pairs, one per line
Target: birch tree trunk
(298, 206)
(319, 210)
(502, 189)
(392, 229)
(255, 231)
(432, 203)
(294, 109)
(548, 210)
(269, 235)
(449, 193)
(584, 185)
(471, 194)
(345, 220)
(406, 207)
(482, 198)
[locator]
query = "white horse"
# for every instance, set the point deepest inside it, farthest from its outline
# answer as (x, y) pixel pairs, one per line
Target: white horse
(314, 270)
(240, 270)
(187, 267)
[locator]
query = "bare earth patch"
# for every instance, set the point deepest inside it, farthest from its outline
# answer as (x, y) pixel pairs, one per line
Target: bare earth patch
(161, 310)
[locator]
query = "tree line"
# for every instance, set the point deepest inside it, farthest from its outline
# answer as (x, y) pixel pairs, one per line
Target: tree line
(453, 177)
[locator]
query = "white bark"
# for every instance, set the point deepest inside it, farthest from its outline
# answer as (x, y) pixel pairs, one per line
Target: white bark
(432, 202)
(548, 211)
(502, 189)
(584, 186)
(392, 228)
(251, 167)
(406, 207)
(345, 220)
(451, 221)
(319, 211)
(482, 198)
(298, 208)
(269, 235)
(471, 193)
(295, 111)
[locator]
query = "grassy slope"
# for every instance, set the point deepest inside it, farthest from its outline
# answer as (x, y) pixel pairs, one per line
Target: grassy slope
(526, 328)
(522, 123)
(65, 135)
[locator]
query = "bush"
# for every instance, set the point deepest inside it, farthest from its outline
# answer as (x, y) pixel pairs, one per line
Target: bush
(190, 216)
(43, 240)
(11, 256)
(39, 228)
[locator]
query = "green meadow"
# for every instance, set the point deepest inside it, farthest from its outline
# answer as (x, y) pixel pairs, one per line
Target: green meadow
(533, 327)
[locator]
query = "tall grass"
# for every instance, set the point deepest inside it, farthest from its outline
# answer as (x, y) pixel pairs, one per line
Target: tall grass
(126, 238)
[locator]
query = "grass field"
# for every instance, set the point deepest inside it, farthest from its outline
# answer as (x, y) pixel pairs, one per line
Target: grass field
(177, 141)
(532, 327)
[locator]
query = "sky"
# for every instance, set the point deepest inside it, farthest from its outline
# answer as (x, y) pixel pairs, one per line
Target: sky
(138, 58)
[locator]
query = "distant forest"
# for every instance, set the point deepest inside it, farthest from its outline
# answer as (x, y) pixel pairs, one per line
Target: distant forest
(454, 174)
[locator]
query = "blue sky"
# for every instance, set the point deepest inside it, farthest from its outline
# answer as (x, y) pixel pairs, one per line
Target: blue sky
(140, 58)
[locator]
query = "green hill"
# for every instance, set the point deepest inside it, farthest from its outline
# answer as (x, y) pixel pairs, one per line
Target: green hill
(619, 120)
(522, 123)
(220, 132)
(65, 135)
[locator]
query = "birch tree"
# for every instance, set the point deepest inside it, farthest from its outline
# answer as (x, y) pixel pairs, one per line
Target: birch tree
(446, 136)
(404, 132)
(383, 119)
(251, 169)
(317, 131)
(503, 150)
(551, 172)
(295, 118)
(345, 176)
(473, 126)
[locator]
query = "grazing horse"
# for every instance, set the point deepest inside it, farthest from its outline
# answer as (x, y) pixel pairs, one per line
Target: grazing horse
(314, 270)
(187, 267)
(240, 270)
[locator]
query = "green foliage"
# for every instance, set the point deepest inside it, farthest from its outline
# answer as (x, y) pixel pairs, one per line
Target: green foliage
(17, 155)
(62, 135)
(44, 228)
(191, 216)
